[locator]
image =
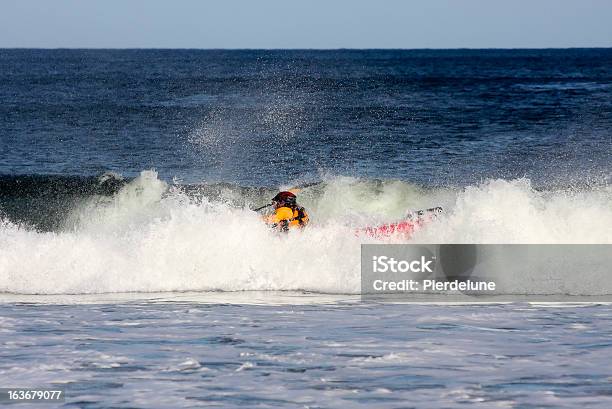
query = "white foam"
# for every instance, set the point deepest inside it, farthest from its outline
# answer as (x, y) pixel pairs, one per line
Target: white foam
(500, 211)
(146, 240)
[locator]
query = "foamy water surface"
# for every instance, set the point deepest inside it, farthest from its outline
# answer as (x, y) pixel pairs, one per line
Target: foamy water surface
(289, 352)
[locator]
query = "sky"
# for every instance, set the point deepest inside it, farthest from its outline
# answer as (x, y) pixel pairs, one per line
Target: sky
(305, 24)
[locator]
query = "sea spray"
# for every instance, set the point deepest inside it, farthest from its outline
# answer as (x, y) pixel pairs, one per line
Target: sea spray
(501, 211)
(151, 236)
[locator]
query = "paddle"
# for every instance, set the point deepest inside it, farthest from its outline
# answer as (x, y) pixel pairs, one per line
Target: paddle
(299, 188)
(262, 207)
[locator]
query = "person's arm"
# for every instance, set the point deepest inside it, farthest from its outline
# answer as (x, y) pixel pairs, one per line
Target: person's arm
(305, 218)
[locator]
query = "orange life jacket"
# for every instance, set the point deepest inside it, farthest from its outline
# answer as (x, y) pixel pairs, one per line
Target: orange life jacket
(285, 218)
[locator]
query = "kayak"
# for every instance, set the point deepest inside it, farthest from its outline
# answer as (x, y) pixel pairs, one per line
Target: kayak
(404, 228)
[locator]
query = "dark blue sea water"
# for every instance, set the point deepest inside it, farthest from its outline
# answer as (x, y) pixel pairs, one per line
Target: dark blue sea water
(261, 118)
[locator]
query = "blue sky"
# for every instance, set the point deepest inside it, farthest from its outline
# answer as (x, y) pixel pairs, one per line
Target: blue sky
(305, 24)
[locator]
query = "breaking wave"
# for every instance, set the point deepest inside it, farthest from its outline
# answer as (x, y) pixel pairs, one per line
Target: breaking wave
(106, 235)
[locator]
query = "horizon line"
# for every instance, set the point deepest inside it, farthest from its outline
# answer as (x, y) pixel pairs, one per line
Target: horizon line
(310, 49)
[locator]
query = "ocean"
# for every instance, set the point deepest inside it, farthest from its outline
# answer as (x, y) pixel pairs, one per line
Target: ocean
(133, 272)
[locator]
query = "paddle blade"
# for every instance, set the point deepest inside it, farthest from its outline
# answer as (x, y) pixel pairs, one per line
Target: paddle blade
(296, 189)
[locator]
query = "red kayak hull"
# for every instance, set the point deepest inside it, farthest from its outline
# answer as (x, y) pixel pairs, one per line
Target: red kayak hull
(402, 228)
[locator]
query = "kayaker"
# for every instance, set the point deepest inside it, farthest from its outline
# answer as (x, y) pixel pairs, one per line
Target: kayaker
(287, 214)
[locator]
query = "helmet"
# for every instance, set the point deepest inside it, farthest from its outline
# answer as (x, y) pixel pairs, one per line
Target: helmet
(285, 198)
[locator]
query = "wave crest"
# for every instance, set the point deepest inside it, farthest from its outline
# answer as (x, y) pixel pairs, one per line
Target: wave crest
(151, 237)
